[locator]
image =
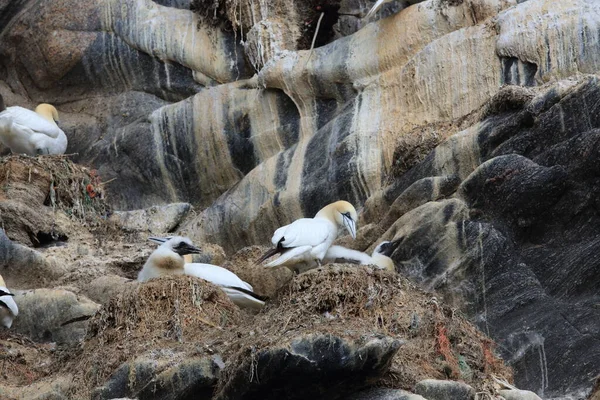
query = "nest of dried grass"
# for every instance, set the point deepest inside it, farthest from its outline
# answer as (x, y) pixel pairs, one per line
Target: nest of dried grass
(170, 314)
(32, 189)
(354, 302)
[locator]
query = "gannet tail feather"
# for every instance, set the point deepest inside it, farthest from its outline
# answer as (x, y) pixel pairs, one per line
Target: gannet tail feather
(248, 292)
(293, 252)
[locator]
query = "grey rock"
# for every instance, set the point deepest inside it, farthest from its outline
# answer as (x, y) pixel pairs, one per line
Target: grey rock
(129, 378)
(102, 289)
(433, 389)
(157, 219)
(193, 376)
(42, 313)
(147, 378)
(524, 227)
(22, 267)
(516, 394)
(385, 394)
(298, 369)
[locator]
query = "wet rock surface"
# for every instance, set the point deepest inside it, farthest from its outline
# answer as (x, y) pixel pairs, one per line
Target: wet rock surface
(513, 244)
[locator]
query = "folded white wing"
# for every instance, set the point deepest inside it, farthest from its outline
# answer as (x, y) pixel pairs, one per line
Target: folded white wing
(334, 252)
(242, 299)
(32, 120)
(303, 232)
(9, 302)
(215, 274)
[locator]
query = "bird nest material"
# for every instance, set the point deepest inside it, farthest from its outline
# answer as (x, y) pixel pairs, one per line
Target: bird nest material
(356, 302)
(32, 189)
(174, 318)
(170, 315)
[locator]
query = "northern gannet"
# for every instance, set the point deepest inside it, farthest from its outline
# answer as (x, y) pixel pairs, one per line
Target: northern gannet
(168, 260)
(308, 239)
(32, 133)
(380, 256)
(8, 307)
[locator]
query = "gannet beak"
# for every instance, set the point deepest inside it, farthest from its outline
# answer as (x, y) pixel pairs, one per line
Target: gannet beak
(158, 240)
(388, 248)
(189, 249)
(351, 226)
(3, 293)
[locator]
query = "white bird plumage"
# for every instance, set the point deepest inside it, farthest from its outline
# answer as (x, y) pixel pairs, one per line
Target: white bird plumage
(168, 259)
(31, 132)
(231, 284)
(380, 257)
(8, 307)
(307, 239)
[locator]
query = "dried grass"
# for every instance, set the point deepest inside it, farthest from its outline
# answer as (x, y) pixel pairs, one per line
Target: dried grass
(171, 315)
(357, 302)
(34, 189)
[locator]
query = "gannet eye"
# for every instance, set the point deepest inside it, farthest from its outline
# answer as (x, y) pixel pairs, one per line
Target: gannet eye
(347, 214)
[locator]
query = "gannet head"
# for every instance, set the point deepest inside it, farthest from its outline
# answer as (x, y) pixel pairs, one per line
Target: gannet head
(342, 213)
(386, 248)
(48, 111)
(383, 253)
(178, 244)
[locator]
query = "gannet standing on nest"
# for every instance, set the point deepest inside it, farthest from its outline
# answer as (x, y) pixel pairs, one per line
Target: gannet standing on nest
(8, 307)
(308, 239)
(32, 133)
(168, 260)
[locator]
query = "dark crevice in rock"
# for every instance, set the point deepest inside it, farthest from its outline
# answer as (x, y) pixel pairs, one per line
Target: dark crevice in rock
(517, 72)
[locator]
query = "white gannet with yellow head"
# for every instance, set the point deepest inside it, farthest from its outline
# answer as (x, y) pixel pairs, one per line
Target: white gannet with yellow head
(308, 239)
(170, 259)
(8, 307)
(32, 133)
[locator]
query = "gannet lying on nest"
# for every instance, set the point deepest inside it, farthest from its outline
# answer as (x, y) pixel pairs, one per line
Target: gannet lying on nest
(32, 133)
(380, 258)
(308, 239)
(168, 260)
(8, 307)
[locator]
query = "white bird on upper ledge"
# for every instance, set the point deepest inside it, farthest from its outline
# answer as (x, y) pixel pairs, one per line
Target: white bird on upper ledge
(308, 239)
(32, 133)
(8, 307)
(169, 259)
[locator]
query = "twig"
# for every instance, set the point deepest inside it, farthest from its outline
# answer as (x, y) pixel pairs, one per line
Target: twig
(312, 45)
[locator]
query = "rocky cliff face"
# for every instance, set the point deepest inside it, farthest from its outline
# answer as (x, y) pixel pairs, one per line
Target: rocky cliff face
(230, 111)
